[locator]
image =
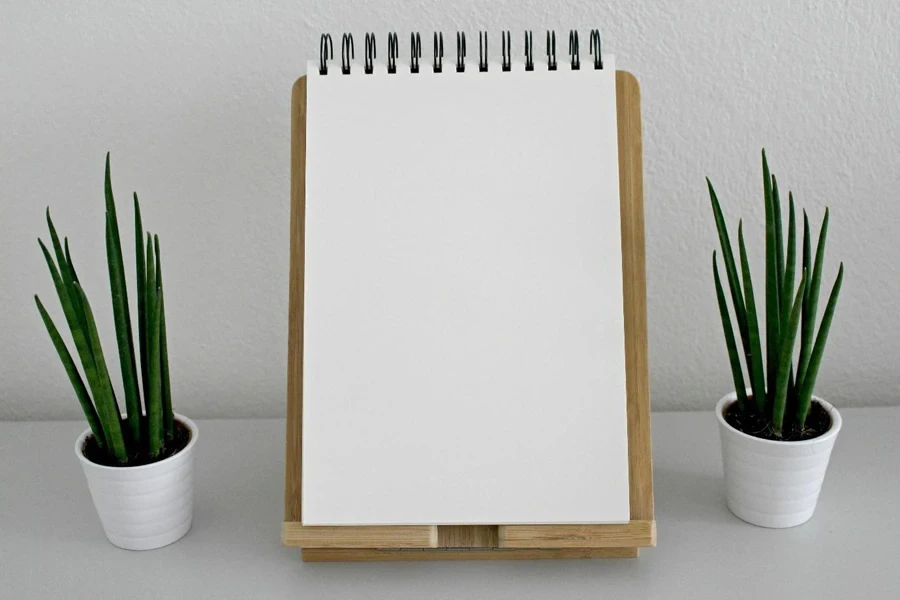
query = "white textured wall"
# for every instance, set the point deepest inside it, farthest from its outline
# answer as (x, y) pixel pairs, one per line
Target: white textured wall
(193, 100)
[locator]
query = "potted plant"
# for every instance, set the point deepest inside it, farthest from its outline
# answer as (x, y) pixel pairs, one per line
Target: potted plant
(776, 435)
(139, 467)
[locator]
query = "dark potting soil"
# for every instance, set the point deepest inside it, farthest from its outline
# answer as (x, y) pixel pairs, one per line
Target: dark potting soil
(172, 447)
(818, 422)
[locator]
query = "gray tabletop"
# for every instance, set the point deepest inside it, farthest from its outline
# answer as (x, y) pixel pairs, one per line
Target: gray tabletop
(51, 543)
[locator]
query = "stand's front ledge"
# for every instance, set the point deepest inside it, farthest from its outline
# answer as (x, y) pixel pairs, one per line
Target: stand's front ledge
(422, 554)
(392, 536)
(633, 534)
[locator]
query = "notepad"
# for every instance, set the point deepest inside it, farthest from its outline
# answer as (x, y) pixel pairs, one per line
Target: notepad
(463, 343)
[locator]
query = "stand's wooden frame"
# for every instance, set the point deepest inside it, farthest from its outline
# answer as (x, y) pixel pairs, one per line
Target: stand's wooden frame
(468, 542)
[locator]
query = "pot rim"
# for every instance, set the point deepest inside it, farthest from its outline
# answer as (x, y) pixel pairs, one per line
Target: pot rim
(79, 449)
(832, 432)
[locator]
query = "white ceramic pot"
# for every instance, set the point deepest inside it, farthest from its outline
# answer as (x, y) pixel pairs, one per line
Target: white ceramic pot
(774, 484)
(145, 507)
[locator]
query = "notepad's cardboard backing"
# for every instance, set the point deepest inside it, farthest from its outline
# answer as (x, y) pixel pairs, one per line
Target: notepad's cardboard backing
(465, 542)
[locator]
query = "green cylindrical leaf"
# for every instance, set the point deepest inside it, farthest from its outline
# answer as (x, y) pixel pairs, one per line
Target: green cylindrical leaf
(773, 306)
(807, 325)
(807, 252)
(69, 299)
(804, 395)
(121, 311)
(168, 415)
(779, 234)
(125, 342)
(784, 368)
(734, 282)
(739, 387)
(755, 363)
(153, 399)
(787, 281)
(74, 314)
(58, 283)
(790, 406)
(70, 263)
(74, 377)
(61, 260)
(812, 302)
(107, 409)
(168, 411)
(141, 266)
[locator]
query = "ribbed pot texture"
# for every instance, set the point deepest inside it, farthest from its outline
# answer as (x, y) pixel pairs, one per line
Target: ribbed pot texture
(146, 507)
(774, 484)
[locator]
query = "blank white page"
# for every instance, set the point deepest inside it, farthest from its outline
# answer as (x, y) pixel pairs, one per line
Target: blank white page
(464, 353)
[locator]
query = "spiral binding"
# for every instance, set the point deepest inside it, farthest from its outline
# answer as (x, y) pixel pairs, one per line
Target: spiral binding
(438, 52)
(551, 50)
(326, 52)
(347, 52)
(506, 50)
(393, 52)
(595, 49)
(415, 52)
(573, 50)
(369, 65)
(482, 53)
(529, 51)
